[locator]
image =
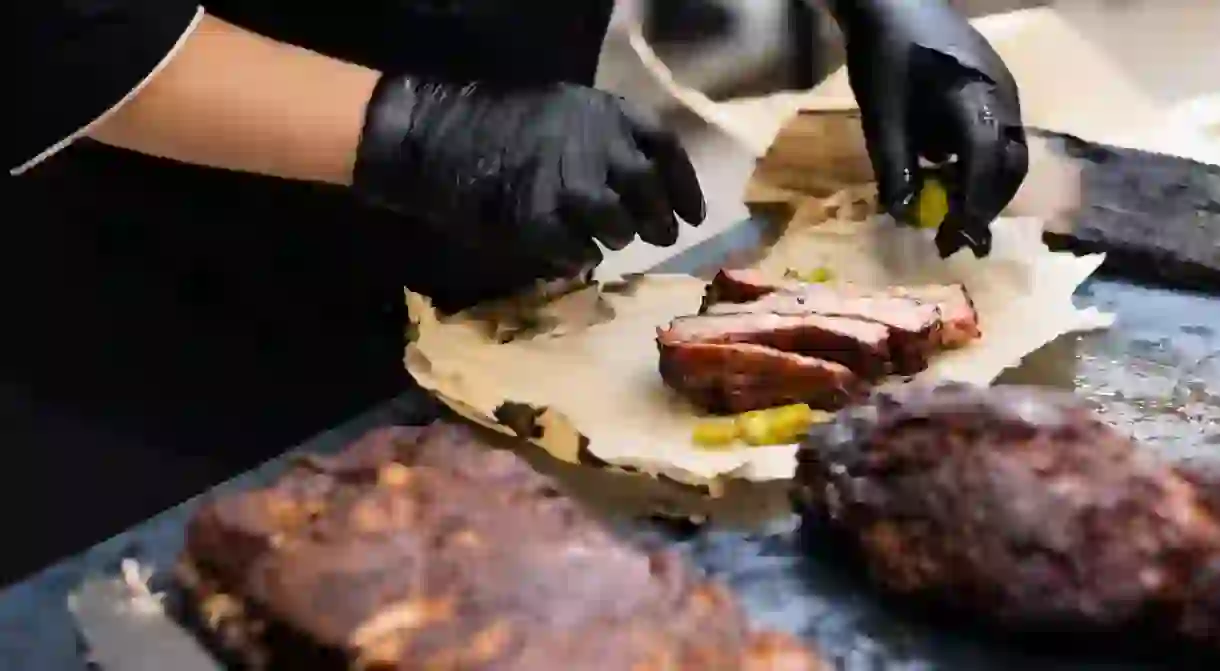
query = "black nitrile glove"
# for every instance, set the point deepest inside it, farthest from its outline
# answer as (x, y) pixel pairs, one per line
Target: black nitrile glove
(542, 171)
(929, 85)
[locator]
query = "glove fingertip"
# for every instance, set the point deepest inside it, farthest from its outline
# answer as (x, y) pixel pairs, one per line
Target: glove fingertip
(1016, 158)
(663, 234)
(899, 203)
(692, 207)
(980, 243)
(676, 171)
(896, 183)
(947, 244)
(600, 214)
(953, 235)
(949, 238)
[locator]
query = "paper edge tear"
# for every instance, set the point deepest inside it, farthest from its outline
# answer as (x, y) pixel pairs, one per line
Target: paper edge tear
(563, 440)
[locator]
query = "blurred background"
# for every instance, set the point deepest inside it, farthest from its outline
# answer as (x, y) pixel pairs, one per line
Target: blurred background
(734, 47)
(729, 48)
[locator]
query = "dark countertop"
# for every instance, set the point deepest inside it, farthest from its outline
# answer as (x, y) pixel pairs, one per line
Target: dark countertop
(1156, 374)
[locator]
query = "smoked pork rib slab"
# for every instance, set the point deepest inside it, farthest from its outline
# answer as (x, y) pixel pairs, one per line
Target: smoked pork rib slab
(420, 548)
(1020, 505)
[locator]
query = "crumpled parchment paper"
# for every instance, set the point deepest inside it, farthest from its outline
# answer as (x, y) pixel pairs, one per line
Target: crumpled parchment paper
(579, 378)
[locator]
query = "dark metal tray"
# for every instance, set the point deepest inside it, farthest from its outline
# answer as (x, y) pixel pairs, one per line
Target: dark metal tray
(1157, 217)
(1156, 374)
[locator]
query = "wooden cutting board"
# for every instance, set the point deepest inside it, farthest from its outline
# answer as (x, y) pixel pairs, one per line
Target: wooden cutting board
(1156, 217)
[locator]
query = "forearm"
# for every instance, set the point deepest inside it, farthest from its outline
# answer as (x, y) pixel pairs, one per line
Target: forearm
(232, 99)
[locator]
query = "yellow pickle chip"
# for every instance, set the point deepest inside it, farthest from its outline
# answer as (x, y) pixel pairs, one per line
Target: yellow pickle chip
(773, 426)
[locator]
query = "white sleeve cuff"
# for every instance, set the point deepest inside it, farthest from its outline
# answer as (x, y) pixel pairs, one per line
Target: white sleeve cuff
(87, 128)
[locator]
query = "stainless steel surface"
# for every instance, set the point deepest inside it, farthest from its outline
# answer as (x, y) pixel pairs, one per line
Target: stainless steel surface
(119, 631)
(1155, 374)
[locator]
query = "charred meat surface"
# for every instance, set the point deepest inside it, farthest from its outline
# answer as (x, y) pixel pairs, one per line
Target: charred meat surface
(421, 548)
(860, 345)
(738, 377)
(959, 319)
(912, 329)
(757, 343)
(1018, 504)
(949, 305)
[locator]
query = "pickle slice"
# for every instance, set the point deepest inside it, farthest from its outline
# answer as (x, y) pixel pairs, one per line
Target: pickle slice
(815, 276)
(932, 204)
(778, 426)
(773, 426)
(716, 432)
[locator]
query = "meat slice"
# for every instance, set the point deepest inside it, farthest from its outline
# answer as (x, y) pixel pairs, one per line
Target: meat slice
(860, 345)
(1020, 505)
(738, 377)
(426, 549)
(960, 321)
(957, 319)
(807, 326)
(913, 327)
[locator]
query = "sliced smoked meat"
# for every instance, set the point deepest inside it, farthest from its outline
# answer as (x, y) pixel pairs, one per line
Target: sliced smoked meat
(862, 346)
(738, 377)
(914, 327)
(759, 343)
(959, 320)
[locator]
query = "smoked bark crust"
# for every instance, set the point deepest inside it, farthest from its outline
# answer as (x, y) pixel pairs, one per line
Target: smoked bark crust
(421, 548)
(1020, 505)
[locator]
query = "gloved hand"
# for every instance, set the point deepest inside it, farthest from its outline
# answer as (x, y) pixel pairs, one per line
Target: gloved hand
(541, 171)
(929, 85)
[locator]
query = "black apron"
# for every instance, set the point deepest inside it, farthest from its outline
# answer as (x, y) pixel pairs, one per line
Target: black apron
(168, 326)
